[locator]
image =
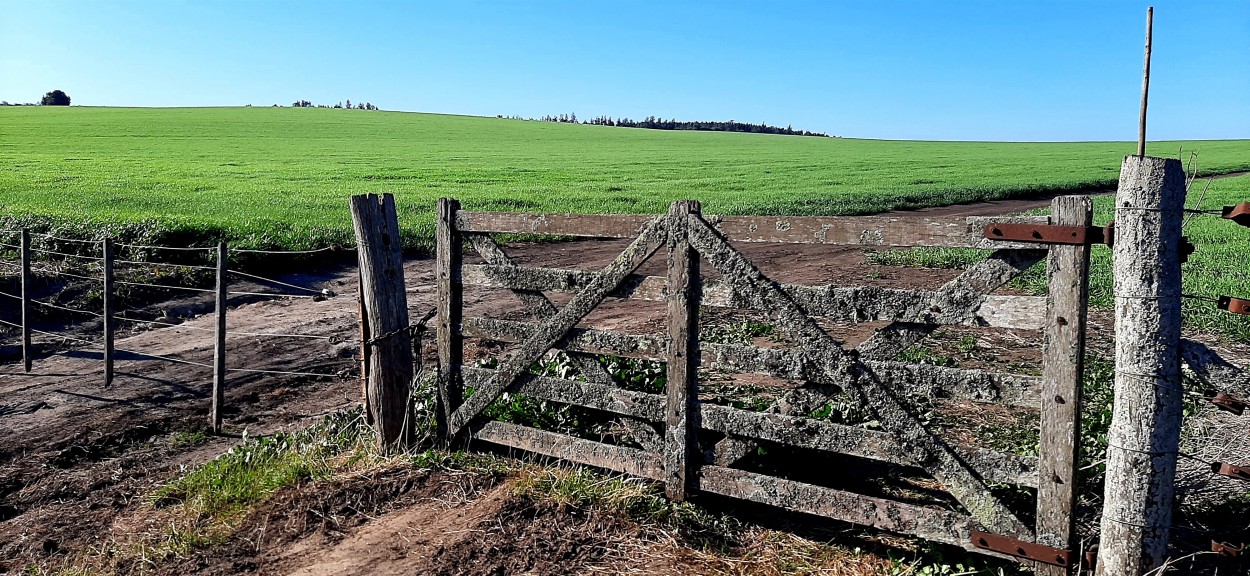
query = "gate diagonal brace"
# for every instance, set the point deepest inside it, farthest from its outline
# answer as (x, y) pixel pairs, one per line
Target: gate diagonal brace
(1231, 470)
(1021, 548)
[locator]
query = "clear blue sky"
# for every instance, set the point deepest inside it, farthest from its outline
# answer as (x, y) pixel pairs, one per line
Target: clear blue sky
(942, 70)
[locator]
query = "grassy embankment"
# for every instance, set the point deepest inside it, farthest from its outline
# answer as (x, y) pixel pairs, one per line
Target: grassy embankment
(279, 178)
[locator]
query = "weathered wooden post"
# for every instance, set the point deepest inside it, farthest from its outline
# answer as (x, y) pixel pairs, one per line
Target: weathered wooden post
(110, 326)
(1145, 426)
(1063, 357)
(381, 255)
(27, 288)
(681, 424)
(219, 342)
(448, 259)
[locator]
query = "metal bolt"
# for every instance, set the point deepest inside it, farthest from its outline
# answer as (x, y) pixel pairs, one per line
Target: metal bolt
(1060, 320)
(1059, 399)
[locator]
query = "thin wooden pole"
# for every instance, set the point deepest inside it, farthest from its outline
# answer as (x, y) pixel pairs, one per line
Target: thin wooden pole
(109, 325)
(1146, 417)
(219, 350)
(680, 448)
(448, 260)
(365, 347)
(1063, 364)
(1145, 86)
(376, 223)
(27, 288)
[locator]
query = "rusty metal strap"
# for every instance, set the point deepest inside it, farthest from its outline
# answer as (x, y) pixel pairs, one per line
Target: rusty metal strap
(1021, 548)
(1229, 403)
(1234, 305)
(1231, 470)
(1051, 234)
(1239, 213)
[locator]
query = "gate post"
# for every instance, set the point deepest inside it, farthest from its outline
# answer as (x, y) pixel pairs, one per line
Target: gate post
(381, 256)
(1145, 425)
(1063, 364)
(448, 259)
(682, 417)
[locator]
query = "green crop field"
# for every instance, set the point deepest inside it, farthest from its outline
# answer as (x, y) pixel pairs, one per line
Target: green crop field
(280, 177)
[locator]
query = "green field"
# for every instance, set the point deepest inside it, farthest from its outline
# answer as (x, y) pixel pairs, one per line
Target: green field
(279, 177)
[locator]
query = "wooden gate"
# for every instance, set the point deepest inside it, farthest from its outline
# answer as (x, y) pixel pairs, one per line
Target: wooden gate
(694, 446)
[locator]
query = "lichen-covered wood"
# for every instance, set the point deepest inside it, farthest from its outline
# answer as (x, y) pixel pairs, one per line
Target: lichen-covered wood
(928, 523)
(553, 329)
(585, 340)
(930, 453)
(448, 259)
(843, 303)
(588, 225)
(865, 230)
(681, 423)
(622, 459)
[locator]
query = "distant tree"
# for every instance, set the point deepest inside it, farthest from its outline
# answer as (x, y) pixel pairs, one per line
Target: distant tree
(55, 98)
(349, 104)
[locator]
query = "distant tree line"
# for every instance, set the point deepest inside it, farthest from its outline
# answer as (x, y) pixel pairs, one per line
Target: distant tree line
(53, 98)
(654, 123)
(358, 106)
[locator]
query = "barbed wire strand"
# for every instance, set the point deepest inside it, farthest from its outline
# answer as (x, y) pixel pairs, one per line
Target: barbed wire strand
(67, 255)
(149, 263)
(228, 332)
(270, 294)
(59, 307)
(187, 288)
(277, 282)
(70, 274)
(313, 251)
(61, 239)
(171, 248)
(13, 296)
(13, 246)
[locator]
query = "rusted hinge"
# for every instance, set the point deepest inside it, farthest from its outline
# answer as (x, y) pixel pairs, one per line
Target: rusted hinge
(1229, 403)
(1234, 305)
(1022, 549)
(1051, 234)
(1239, 213)
(1231, 470)
(1227, 550)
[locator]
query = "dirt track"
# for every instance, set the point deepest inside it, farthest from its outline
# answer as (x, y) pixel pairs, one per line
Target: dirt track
(77, 457)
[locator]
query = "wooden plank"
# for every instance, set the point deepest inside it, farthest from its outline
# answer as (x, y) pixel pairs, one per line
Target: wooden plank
(28, 351)
(365, 348)
(577, 339)
(381, 263)
(813, 434)
(681, 420)
(555, 328)
(616, 458)
(852, 304)
(110, 323)
(789, 430)
(536, 302)
(1063, 364)
(933, 455)
(586, 225)
(900, 231)
(928, 523)
(219, 344)
(448, 260)
(913, 379)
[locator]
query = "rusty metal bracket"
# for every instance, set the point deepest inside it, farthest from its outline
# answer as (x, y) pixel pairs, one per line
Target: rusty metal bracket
(1227, 550)
(1239, 213)
(1229, 403)
(1231, 470)
(1022, 549)
(1051, 234)
(1186, 248)
(1234, 305)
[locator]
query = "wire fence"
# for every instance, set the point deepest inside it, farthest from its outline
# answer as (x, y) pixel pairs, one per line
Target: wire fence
(40, 267)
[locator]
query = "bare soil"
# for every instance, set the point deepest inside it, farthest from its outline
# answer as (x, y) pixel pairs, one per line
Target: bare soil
(77, 460)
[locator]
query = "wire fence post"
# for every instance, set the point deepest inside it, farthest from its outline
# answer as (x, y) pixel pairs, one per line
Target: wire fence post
(380, 252)
(109, 326)
(1146, 417)
(448, 260)
(27, 352)
(219, 350)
